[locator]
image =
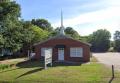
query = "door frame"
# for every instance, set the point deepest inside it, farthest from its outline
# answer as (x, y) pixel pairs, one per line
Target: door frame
(61, 57)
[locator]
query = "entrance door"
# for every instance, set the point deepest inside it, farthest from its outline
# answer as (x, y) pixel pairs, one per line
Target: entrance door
(60, 53)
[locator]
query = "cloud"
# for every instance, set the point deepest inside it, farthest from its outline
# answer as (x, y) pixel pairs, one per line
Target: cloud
(105, 18)
(113, 2)
(91, 17)
(87, 29)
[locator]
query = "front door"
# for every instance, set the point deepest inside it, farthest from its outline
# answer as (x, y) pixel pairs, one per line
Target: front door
(60, 53)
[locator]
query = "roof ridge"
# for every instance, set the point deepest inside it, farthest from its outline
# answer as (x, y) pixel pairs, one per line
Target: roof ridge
(61, 36)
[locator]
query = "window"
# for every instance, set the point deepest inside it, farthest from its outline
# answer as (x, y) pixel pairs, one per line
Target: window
(76, 52)
(46, 51)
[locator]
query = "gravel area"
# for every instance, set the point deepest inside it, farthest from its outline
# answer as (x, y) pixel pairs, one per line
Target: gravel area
(109, 59)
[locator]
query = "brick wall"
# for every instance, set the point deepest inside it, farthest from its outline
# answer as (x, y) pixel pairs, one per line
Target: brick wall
(68, 43)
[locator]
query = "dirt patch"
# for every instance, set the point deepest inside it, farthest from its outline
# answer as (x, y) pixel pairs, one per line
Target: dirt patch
(12, 60)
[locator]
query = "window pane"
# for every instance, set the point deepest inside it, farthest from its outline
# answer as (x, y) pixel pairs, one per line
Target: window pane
(76, 52)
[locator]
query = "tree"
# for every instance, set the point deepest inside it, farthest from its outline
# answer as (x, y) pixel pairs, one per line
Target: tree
(39, 34)
(11, 27)
(84, 39)
(55, 31)
(117, 35)
(16, 34)
(1, 36)
(4, 0)
(32, 34)
(100, 40)
(71, 32)
(117, 41)
(42, 23)
(1, 41)
(27, 33)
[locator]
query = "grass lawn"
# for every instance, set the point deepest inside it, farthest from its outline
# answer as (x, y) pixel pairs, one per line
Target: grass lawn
(33, 72)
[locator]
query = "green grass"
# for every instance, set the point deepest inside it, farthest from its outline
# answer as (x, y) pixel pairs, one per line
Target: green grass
(33, 72)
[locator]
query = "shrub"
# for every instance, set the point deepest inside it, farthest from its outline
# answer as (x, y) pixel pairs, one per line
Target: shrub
(4, 66)
(111, 49)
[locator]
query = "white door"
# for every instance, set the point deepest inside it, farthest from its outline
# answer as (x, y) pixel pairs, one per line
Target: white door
(60, 53)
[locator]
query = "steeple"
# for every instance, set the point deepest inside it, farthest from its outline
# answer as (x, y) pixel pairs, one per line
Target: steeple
(62, 27)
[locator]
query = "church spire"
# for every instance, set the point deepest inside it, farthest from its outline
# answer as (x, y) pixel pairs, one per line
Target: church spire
(62, 27)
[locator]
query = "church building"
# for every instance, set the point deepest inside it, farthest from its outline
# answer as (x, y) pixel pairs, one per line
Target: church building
(63, 48)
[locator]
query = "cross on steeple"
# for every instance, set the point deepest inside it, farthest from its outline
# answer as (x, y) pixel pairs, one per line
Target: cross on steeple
(62, 27)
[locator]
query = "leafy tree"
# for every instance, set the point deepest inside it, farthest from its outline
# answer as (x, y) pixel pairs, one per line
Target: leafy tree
(11, 27)
(117, 35)
(84, 39)
(100, 40)
(32, 34)
(117, 45)
(55, 31)
(71, 32)
(68, 31)
(39, 34)
(117, 41)
(42, 23)
(9, 10)
(15, 34)
(1, 36)
(27, 32)
(1, 41)
(4, 0)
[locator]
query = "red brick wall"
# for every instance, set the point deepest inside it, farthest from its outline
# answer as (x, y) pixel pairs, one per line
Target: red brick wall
(68, 43)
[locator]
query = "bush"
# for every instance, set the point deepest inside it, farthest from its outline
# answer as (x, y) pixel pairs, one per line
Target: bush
(4, 66)
(111, 49)
(117, 46)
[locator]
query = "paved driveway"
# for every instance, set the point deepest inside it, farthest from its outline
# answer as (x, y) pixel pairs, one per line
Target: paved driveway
(109, 59)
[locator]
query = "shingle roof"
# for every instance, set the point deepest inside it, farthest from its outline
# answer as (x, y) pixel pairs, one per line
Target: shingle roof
(60, 36)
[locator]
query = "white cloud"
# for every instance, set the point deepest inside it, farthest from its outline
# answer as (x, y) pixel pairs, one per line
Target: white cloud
(113, 2)
(112, 26)
(107, 18)
(108, 13)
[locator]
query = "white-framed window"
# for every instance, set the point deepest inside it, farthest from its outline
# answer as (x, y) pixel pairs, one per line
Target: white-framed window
(46, 51)
(76, 52)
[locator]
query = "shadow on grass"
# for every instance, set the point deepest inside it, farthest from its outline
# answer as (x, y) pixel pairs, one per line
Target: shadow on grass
(32, 64)
(55, 64)
(30, 72)
(111, 80)
(9, 70)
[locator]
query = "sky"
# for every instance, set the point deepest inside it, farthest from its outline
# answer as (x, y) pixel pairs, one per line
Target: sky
(85, 16)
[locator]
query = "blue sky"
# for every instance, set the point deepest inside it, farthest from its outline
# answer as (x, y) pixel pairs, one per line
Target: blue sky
(85, 16)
